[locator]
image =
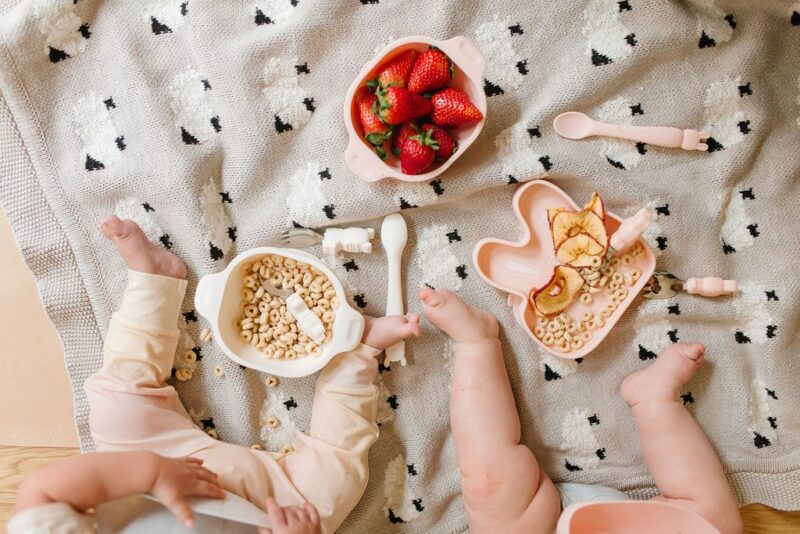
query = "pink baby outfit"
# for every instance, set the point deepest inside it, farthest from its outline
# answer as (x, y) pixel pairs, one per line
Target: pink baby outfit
(132, 408)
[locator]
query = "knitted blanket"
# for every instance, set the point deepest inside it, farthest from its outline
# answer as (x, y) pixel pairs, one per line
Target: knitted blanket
(217, 125)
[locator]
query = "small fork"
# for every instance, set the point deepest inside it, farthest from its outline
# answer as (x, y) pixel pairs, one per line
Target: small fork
(276, 291)
(666, 285)
(300, 238)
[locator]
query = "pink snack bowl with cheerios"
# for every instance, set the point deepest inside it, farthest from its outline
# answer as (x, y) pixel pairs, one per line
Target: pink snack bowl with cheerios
(219, 299)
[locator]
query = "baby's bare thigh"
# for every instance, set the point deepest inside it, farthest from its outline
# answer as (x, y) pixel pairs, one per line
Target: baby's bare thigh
(510, 495)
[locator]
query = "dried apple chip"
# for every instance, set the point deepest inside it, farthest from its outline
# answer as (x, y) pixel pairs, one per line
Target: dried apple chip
(596, 205)
(552, 212)
(555, 296)
(580, 251)
(566, 225)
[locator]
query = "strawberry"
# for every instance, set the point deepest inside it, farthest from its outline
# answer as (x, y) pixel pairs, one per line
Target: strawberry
(403, 133)
(447, 145)
(433, 70)
(418, 153)
(398, 105)
(395, 73)
(452, 108)
(375, 130)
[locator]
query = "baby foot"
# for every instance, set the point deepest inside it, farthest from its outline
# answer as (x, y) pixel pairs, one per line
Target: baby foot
(456, 318)
(663, 380)
(138, 253)
(383, 332)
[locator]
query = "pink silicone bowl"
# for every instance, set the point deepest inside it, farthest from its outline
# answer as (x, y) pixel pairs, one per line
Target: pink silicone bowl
(516, 267)
(631, 517)
(470, 66)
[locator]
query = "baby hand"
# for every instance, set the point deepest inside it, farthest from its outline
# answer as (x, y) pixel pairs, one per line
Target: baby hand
(383, 332)
(291, 519)
(179, 478)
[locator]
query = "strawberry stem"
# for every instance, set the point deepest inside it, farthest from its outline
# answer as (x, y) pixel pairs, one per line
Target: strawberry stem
(425, 139)
(376, 139)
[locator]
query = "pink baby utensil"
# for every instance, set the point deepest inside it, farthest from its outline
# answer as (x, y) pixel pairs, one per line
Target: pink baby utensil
(666, 285)
(629, 232)
(576, 125)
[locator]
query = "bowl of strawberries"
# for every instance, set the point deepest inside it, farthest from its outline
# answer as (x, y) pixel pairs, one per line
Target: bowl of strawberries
(415, 108)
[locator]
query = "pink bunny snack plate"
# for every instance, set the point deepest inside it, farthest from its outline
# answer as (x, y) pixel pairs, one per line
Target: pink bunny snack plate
(280, 311)
(567, 297)
(468, 67)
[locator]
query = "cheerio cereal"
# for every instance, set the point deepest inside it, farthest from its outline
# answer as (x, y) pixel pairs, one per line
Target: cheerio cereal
(264, 321)
(607, 285)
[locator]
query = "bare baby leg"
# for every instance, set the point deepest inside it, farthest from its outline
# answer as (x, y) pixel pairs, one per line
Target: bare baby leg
(138, 253)
(504, 489)
(682, 461)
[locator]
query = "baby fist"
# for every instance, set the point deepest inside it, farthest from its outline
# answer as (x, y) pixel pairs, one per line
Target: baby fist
(291, 519)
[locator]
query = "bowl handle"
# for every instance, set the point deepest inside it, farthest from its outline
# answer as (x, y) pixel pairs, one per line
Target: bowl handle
(355, 327)
(467, 56)
(361, 162)
(207, 296)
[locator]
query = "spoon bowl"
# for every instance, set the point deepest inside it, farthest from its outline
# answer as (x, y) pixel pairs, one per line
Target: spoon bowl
(573, 125)
(394, 234)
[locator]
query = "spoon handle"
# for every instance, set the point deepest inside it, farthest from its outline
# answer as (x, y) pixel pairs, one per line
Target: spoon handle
(710, 286)
(665, 136)
(394, 296)
(631, 230)
(394, 306)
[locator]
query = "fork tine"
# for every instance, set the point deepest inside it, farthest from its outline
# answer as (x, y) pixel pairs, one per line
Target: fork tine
(702, 146)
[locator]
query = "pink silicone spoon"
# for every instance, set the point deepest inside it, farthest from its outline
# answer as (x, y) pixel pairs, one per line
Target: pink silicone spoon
(576, 125)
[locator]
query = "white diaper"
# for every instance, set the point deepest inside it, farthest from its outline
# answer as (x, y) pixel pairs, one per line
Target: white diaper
(578, 493)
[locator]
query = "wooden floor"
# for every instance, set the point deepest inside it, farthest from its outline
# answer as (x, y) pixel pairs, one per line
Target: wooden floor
(15, 462)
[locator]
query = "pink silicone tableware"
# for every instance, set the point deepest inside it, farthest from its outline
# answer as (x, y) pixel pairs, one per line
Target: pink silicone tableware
(469, 68)
(576, 125)
(631, 517)
(518, 267)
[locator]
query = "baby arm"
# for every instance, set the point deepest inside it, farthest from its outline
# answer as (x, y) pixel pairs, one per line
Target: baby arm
(88, 480)
(329, 466)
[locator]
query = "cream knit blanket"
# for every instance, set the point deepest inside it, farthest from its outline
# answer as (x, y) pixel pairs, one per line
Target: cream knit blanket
(216, 125)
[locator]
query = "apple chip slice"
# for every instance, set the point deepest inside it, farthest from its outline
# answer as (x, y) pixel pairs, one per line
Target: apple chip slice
(567, 224)
(552, 212)
(555, 296)
(596, 205)
(580, 251)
